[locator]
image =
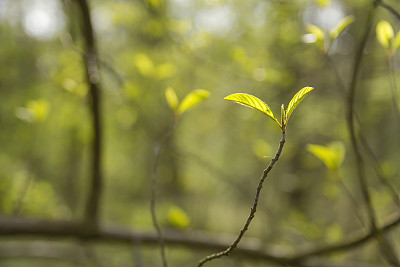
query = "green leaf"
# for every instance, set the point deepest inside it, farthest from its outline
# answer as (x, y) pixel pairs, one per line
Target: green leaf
(192, 99)
(384, 33)
(296, 100)
(178, 217)
(396, 42)
(319, 34)
(332, 155)
(341, 25)
(323, 3)
(252, 102)
(171, 98)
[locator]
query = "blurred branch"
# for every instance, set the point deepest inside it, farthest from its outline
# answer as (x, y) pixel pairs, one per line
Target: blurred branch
(157, 153)
(376, 164)
(386, 247)
(249, 248)
(43, 250)
(93, 79)
(390, 9)
(253, 209)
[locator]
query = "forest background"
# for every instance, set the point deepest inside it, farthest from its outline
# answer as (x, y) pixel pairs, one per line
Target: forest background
(91, 148)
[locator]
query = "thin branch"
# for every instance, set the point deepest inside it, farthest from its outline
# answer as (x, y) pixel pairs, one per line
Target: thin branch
(93, 79)
(157, 153)
(377, 166)
(153, 206)
(16, 227)
(253, 209)
(362, 179)
(390, 9)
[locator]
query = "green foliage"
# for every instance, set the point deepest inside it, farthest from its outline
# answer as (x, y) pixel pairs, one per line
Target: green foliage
(256, 103)
(386, 36)
(192, 99)
(340, 26)
(252, 102)
(384, 33)
(189, 101)
(34, 111)
(323, 41)
(298, 97)
(172, 98)
(318, 33)
(331, 155)
(177, 217)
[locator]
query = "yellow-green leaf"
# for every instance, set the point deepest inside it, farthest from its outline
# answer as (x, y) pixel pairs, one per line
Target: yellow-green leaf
(319, 34)
(192, 99)
(332, 155)
(178, 217)
(341, 25)
(253, 102)
(144, 64)
(323, 3)
(35, 111)
(396, 42)
(384, 33)
(296, 101)
(171, 98)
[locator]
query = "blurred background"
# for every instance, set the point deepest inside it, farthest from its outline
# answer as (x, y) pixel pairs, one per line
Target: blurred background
(209, 169)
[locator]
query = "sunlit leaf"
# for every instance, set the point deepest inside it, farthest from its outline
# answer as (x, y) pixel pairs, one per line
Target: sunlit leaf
(165, 70)
(396, 41)
(155, 3)
(171, 98)
(253, 102)
(296, 100)
(384, 33)
(178, 217)
(144, 64)
(35, 111)
(332, 155)
(341, 25)
(323, 3)
(193, 99)
(318, 33)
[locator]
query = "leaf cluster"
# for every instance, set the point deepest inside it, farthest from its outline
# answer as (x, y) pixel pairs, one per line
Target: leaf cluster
(324, 40)
(256, 103)
(189, 101)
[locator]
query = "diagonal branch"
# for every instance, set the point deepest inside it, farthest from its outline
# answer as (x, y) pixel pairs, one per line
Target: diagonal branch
(390, 9)
(253, 209)
(93, 79)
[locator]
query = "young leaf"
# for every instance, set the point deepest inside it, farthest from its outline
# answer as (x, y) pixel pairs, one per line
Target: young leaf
(171, 98)
(283, 115)
(384, 33)
(319, 34)
(296, 101)
(253, 102)
(178, 217)
(396, 42)
(192, 99)
(341, 25)
(332, 155)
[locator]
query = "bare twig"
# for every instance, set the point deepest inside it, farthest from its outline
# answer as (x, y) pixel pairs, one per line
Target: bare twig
(93, 79)
(153, 206)
(390, 9)
(157, 153)
(253, 209)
